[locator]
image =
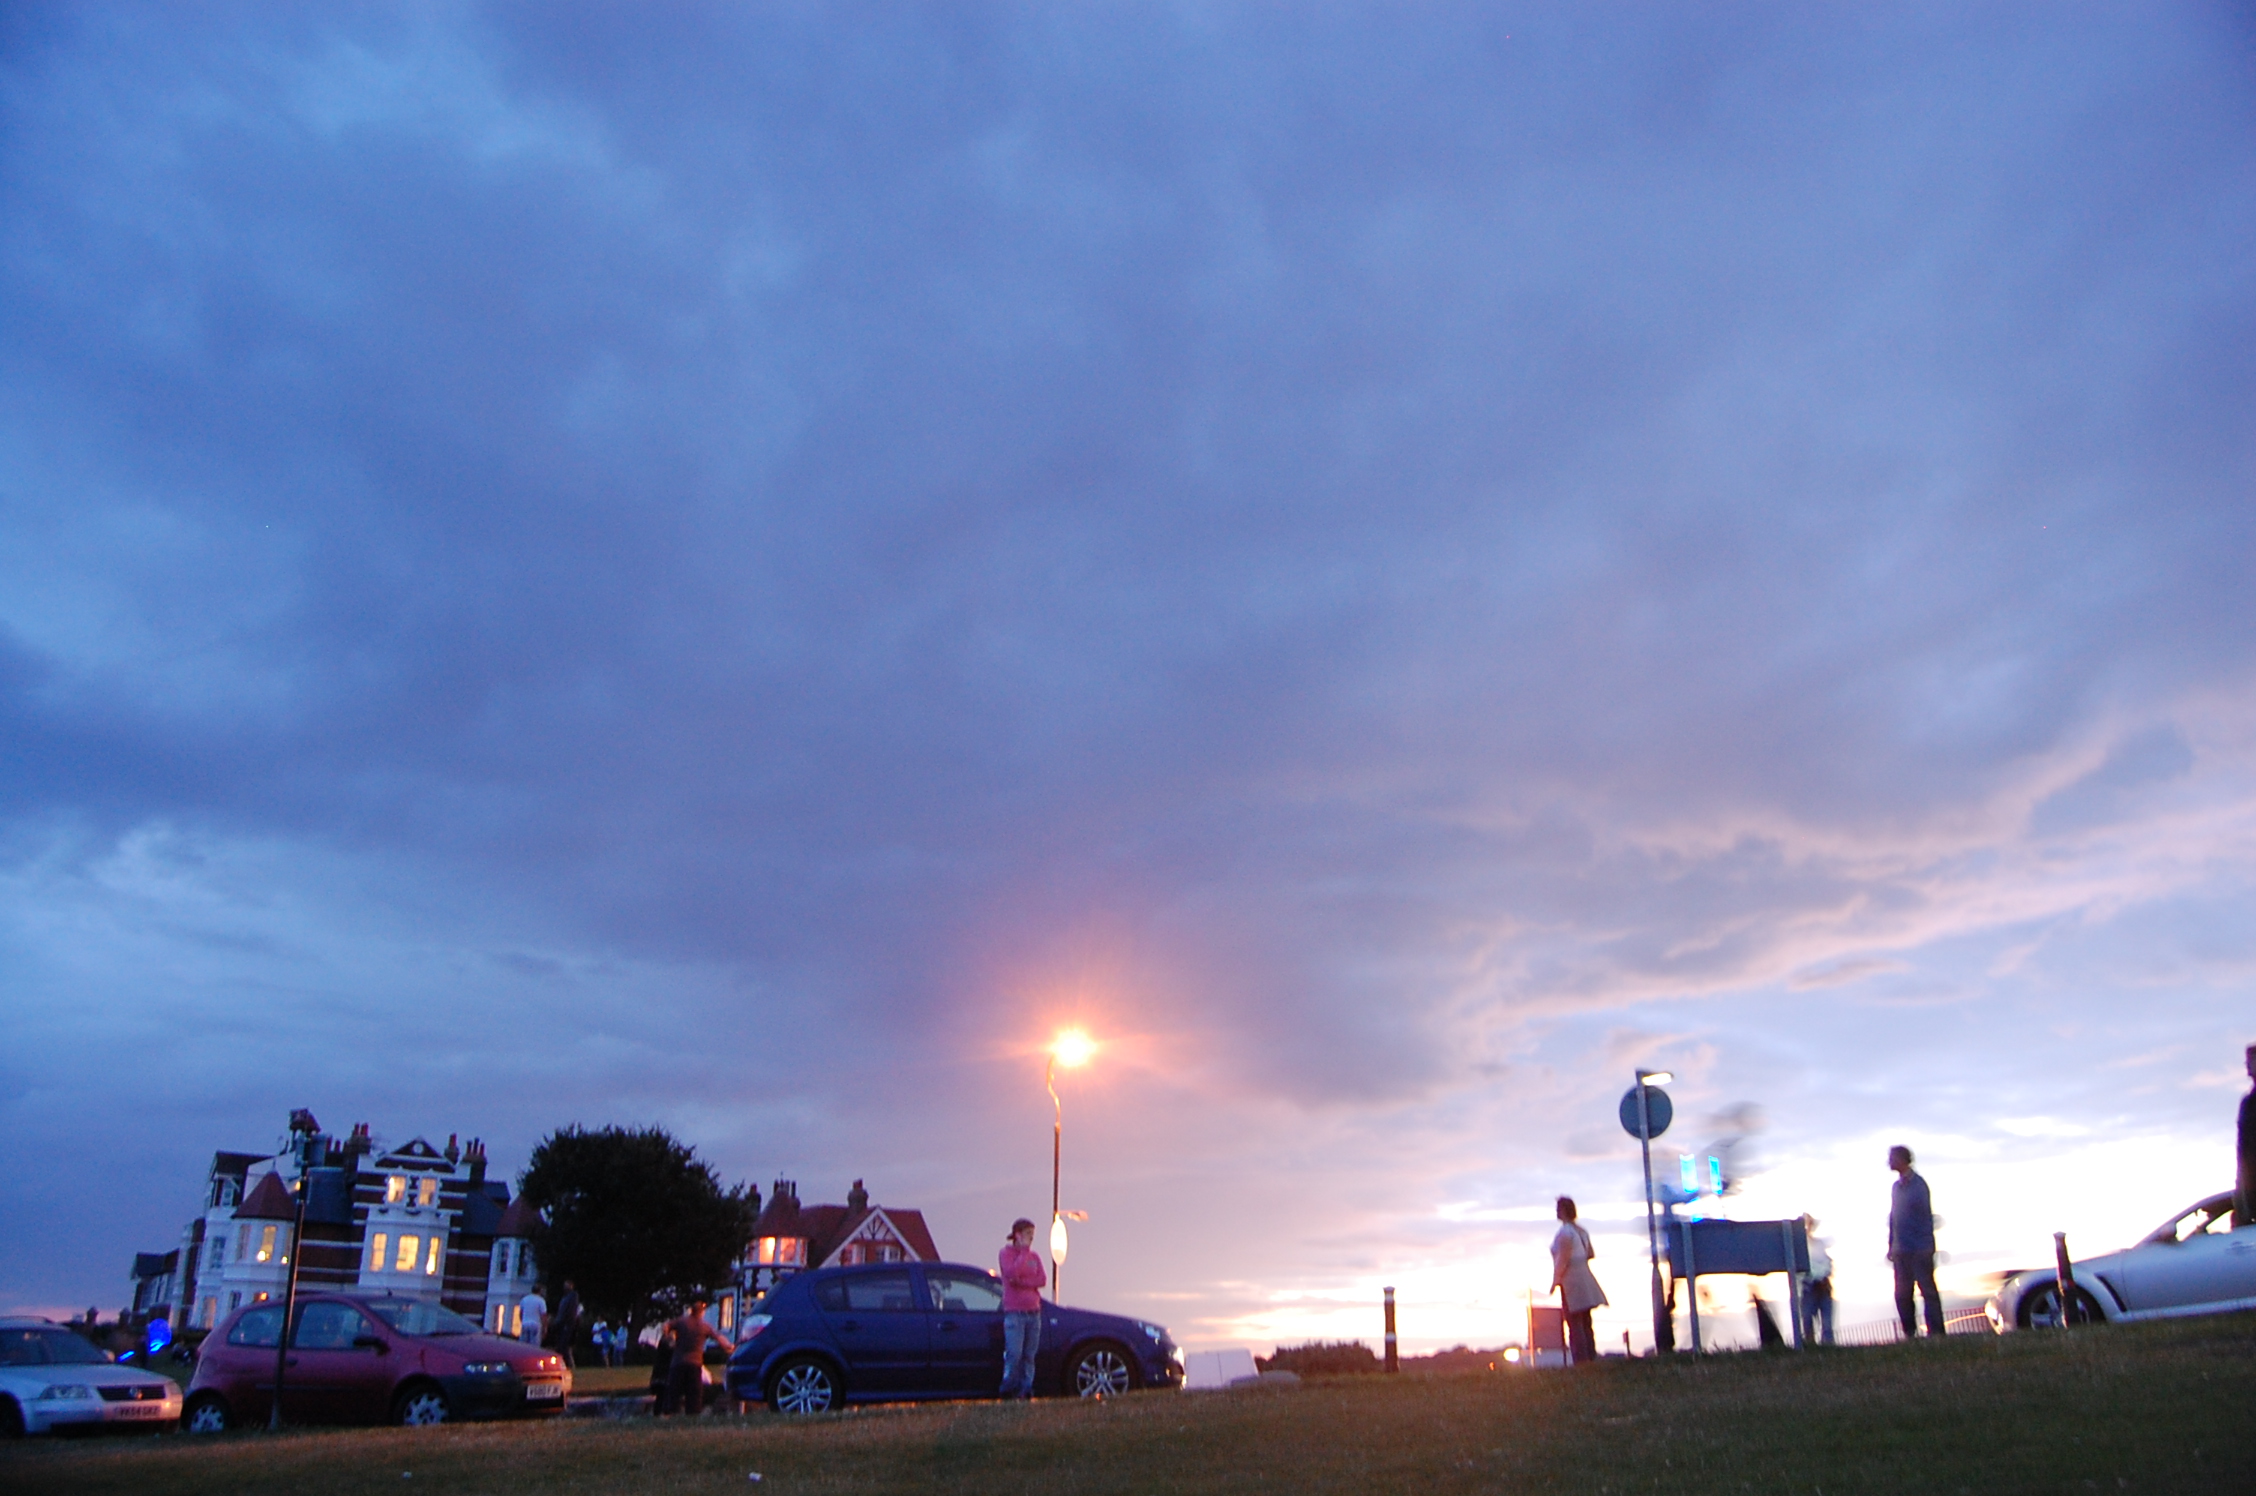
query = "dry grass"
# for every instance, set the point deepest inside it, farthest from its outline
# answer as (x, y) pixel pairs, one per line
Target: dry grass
(2146, 1408)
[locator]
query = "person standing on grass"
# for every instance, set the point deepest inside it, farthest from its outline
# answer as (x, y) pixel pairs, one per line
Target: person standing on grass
(662, 1372)
(1023, 1280)
(532, 1310)
(564, 1325)
(1911, 1244)
(2244, 1182)
(1817, 1288)
(1579, 1292)
(691, 1334)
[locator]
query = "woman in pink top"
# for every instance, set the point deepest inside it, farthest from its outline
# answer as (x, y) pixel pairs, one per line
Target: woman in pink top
(1023, 1278)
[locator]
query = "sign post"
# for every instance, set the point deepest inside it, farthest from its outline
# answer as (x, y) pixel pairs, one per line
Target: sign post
(1645, 1114)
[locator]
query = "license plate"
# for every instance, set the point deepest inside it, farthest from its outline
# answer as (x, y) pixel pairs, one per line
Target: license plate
(142, 1410)
(543, 1391)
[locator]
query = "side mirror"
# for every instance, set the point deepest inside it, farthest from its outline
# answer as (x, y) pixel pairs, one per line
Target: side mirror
(369, 1343)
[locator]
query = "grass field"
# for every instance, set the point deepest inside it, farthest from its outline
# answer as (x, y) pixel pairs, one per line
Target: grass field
(2169, 1407)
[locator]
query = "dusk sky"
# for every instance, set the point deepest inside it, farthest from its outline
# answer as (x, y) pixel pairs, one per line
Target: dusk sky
(738, 567)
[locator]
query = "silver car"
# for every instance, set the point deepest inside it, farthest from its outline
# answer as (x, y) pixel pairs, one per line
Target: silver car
(52, 1378)
(2193, 1263)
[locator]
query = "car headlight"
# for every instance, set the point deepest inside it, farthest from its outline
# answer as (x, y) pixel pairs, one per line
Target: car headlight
(485, 1368)
(66, 1391)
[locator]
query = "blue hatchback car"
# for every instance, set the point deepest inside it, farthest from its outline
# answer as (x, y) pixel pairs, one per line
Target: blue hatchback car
(898, 1331)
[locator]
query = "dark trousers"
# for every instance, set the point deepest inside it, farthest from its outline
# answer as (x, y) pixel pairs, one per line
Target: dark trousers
(1582, 1341)
(685, 1387)
(1917, 1270)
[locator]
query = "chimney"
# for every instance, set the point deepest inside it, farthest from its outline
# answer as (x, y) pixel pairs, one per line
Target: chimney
(453, 1153)
(754, 1191)
(857, 1198)
(476, 1153)
(357, 1147)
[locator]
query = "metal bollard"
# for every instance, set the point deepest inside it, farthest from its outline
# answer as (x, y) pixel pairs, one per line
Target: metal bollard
(1392, 1364)
(2064, 1277)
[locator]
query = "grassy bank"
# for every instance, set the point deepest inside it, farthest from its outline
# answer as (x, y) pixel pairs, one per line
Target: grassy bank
(2144, 1408)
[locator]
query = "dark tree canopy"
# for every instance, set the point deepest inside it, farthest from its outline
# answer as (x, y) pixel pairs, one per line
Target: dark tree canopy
(633, 1219)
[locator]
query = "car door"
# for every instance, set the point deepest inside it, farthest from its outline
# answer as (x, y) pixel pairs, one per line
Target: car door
(339, 1367)
(243, 1372)
(2210, 1263)
(967, 1329)
(879, 1327)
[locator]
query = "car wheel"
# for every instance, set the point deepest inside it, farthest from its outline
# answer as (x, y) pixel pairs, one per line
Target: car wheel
(421, 1406)
(2040, 1308)
(803, 1386)
(1101, 1371)
(206, 1415)
(11, 1419)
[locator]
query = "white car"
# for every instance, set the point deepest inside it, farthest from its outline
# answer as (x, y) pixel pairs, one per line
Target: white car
(2193, 1263)
(51, 1378)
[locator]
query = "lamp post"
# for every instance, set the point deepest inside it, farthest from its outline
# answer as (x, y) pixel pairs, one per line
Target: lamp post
(1663, 1331)
(1072, 1049)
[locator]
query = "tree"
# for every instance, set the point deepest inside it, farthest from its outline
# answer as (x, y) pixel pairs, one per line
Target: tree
(633, 1219)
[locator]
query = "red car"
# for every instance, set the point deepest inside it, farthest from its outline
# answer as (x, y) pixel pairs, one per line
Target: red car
(367, 1360)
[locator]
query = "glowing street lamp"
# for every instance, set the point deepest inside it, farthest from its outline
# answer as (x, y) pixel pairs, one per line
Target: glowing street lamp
(1072, 1048)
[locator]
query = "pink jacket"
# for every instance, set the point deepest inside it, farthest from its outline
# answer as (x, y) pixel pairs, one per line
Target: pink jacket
(1023, 1279)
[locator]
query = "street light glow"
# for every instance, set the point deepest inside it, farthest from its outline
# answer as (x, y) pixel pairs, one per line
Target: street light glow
(1659, 1077)
(1073, 1048)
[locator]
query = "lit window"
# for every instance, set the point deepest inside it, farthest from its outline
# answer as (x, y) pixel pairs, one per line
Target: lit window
(376, 1251)
(517, 1320)
(427, 1191)
(395, 1188)
(767, 1249)
(431, 1258)
(207, 1313)
(259, 1297)
(266, 1245)
(728, 1314)
(405, 1262)
(794, 1249)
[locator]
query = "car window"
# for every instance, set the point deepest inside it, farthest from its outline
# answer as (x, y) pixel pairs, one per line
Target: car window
(964, 1293)
(330, 1327)
(413, 1317)
(41, 1345)
(868, 1291)
(261, 1326)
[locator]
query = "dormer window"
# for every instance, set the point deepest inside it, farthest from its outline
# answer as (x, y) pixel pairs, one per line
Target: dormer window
(395, 1188)
(427, 1190)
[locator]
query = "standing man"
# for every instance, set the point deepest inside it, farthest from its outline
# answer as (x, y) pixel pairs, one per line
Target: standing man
(2244, 1187)
(532, 1312)
(1023, 1280)
(564, 1325)
(1911, 1244)
(688, 1377)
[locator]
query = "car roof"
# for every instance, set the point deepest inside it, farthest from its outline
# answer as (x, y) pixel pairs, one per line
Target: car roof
(28, 1322)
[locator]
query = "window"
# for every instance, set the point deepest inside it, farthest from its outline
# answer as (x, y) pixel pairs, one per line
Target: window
(431, 1258)
(767, 1252)
(524, 1259)
(235, 1299)
(206, 1312)
(266, 1245)
(395, 1189)
(242, 1241)
(501, 1319)
(727, 1308)
(329, 1326)
(501, 1261)
(869, 1291)
(414, 1317)
(408, 1243)
(260, 1297)
(376, 1245)
(964, 1293)
(260, 1327)
(791, 1249)
(218, 1245)
(427, 1190)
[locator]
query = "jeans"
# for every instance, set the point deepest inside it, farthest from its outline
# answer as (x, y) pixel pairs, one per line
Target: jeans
(1817, 1311)
(1917, 1270)
(1022, 1338)
(686, 1386)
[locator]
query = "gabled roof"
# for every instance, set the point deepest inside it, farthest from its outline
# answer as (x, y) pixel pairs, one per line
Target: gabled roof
(269, 1200)
(482, 1209)
(414, 1153)
(519, 1220)
(826, 1228)
(235, 1165)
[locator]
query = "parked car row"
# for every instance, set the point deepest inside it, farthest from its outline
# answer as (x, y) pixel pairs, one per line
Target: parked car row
(816, 1341)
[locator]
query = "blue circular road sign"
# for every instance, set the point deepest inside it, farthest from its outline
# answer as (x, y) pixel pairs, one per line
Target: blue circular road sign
(1657, 1108)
